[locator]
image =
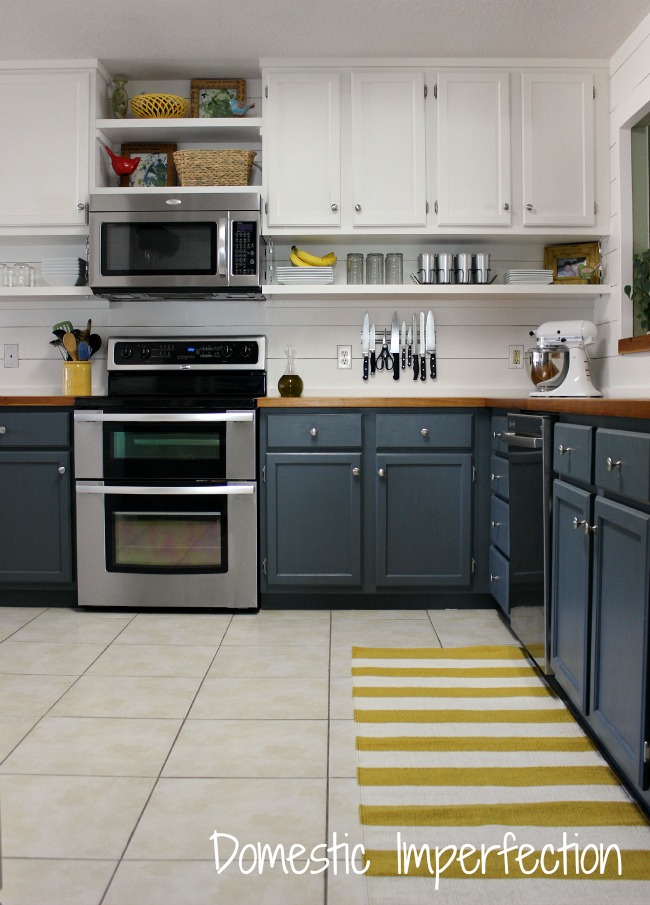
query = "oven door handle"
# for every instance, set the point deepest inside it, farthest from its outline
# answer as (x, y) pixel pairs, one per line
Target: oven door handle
(519, 440)
(98, 487)
(179, 417)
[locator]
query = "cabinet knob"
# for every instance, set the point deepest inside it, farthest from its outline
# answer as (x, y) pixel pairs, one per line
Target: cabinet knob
(356, 472)
(495, 524)
(314, 431)
(506, 206)
(62, 469)
(357, 208)
(81, 206)
(3, 429)
(612, 464)
(381, 473)
(529, 207)
(496, 435)
(564, 449)
(494, 577)
(495, 477)
(584, 524)
(425, 431)
(335, 208)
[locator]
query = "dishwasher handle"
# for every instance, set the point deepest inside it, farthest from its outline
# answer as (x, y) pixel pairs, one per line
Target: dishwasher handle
(521, 441)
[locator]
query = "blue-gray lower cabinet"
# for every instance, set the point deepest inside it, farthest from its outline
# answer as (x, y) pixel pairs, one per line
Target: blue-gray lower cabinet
(314, 519)
(423, 531)
(570, 591)
(35, 509)
(620, 667)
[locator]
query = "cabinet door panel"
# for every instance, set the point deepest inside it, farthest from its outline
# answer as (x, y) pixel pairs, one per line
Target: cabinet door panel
(558, 149)
(35, 507)
(388, 153)
(474, 149)
(45, 162)
(424, 508)
(314, 519)
(620, 636)
(570, 589)
(302, 149)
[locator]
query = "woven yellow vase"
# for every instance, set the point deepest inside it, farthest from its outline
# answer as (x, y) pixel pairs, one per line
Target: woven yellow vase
(159, 106)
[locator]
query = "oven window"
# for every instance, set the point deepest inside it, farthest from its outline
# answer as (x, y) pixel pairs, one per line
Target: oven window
(150, 249)
(160, 451)
(166, 534)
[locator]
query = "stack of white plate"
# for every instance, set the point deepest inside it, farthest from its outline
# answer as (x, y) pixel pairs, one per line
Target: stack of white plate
(64, 271)
(311, 276)
(528, 276)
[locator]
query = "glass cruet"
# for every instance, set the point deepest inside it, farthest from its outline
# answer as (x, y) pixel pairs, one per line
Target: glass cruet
(290, 384)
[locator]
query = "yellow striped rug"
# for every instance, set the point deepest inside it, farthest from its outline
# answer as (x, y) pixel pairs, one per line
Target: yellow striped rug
(478, 786)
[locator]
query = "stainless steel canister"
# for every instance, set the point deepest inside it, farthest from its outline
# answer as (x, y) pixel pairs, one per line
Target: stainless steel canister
(482, 268)
(427, 267)
(445, 269)
(463, 268)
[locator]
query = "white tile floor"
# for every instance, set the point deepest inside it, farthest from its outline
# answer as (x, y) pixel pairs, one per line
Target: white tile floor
(127, 740)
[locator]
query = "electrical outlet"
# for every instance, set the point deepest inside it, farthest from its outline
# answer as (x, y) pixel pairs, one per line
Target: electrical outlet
(344, 356)
(11, 355)
(516, 358)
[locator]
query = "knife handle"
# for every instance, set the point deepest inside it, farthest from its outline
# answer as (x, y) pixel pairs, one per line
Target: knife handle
(416, 366)
(403, 356)
(433, 366)
(410, 357)
(373, 361)
(365, 367)
(423, 367)
(396, 366)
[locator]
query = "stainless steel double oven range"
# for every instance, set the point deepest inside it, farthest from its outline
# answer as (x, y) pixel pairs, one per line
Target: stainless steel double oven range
(165, 466)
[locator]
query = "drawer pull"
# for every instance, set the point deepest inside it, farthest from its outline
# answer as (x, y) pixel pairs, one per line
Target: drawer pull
(494, 577)
(425, 431)
(62, 469)
(495, 524)
(496, 435)
(356, 472)
(314, 431)
(3, 429)
(612, 464)
(381, 473)
(495, 477)
(564, 449)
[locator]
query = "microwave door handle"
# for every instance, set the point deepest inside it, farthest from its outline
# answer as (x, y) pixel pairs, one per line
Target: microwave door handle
(188, 417)
(222, 255)
(241, 489)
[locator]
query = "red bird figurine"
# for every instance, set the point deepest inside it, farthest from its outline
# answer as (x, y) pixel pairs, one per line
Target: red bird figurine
(123, 166)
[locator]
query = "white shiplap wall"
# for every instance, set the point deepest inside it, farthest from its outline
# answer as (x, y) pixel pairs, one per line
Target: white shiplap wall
(629, 101)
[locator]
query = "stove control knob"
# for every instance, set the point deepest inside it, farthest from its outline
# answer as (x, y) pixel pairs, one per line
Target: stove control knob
(126, 351)
(226, 351)
(145, 352)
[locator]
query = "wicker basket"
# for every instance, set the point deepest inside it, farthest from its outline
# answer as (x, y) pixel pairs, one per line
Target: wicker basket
(159, 106)
(198, 167)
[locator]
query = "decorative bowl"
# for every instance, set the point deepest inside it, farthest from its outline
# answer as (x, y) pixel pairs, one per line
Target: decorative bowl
(159, 106)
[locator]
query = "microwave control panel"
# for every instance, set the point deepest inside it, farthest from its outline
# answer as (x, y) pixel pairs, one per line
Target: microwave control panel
(244, 247)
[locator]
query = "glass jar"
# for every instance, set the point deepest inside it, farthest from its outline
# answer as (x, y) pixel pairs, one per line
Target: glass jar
(395, 268)
(355, 269)
(290, 384)
(374, 269)
(120, 99)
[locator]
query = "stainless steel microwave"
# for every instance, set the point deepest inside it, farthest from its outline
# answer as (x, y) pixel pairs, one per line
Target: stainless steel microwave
(170, 245)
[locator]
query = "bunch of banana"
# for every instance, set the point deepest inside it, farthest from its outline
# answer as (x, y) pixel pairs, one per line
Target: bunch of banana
(300, 258)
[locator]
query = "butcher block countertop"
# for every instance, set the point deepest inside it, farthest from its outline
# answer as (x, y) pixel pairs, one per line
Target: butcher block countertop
(615, 408)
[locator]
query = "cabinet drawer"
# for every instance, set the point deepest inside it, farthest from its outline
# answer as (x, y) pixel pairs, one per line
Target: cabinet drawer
(498, 427)
(314, 431)
(572, 451)
(427, 430)
(623, 463)
(500, 476)
(500, 524)
(45, 429)
(500, 579)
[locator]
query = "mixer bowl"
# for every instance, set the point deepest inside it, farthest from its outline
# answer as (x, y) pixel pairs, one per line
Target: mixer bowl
(547, 367)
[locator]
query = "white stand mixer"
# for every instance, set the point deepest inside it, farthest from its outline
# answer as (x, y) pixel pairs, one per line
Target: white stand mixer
(558, 365)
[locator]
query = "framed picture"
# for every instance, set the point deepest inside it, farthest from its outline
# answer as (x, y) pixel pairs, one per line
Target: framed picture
(575, 263)
(156, 167)
(211, 97)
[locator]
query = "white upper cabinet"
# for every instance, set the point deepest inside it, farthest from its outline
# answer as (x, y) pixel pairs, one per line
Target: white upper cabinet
(387, 138)
(302, 149)
(473, 148)
(44, 151)
(558, 149)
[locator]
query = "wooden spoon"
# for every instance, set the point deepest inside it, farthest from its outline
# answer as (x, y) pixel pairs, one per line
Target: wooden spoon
(70, 344)
(87, 331)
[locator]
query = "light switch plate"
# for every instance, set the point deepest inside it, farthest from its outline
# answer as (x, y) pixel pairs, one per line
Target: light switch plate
(11, 355)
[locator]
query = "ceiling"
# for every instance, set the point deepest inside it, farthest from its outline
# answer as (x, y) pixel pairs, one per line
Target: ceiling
(226, 38)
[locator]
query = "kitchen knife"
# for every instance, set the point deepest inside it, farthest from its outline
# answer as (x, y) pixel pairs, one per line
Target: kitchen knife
(373, 345)
(416, 364)
(394, 345)
(403, 344)
(365, 344)
(409, 342)
(423, 353)
(431, 342)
